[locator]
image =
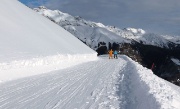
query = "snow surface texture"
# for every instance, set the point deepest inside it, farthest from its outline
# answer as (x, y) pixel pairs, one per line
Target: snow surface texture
(101, 84)
(92, 33)
(24, 68)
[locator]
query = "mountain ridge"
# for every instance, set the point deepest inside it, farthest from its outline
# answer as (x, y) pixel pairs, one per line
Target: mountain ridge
(74, 24)
(143, 47)
(53, 69)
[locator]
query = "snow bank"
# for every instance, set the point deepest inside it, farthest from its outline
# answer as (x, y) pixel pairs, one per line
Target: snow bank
(176, 61)
(24, 68)
(31, 44)
(150, 91)
(48, 60)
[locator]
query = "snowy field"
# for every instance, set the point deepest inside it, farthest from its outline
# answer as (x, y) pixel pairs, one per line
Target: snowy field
(101, 84)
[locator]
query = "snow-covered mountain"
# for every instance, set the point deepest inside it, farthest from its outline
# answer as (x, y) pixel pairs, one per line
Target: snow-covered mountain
(92, 33)
(143, 47)
(74, 77)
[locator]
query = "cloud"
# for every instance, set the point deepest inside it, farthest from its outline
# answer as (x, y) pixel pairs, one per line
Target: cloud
(152, 15)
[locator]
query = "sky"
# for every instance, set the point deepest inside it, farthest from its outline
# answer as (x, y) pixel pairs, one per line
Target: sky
(158, 16)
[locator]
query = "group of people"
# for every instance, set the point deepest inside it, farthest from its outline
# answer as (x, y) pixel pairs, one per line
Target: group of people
(111, 52)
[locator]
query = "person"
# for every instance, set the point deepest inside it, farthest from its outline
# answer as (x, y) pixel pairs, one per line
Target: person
(152, 67)
(110, 54)
(115, 54)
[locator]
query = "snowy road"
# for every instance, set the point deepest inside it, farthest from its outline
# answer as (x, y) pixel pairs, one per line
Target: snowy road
(90, 85)
(101, 84)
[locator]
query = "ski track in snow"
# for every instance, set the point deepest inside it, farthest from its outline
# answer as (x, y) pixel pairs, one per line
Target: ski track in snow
(101, 84)
(83, 86)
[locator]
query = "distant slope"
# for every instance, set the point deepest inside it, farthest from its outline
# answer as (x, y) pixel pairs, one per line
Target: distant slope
(25, 34)
(92, 33)
(143, 47)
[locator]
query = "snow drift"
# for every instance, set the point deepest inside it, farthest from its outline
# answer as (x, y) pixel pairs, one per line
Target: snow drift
(147, 91)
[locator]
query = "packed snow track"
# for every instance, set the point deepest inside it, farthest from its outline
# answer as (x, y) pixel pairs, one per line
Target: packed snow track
(101, 84)
(84, 86)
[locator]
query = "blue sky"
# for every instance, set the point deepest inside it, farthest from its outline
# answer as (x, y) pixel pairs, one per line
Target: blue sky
(159, 16)
(32, 3)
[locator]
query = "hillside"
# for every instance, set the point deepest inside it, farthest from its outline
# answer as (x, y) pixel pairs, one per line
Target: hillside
(143, 47)
(42, 66)
(92, 33)
(30, 40)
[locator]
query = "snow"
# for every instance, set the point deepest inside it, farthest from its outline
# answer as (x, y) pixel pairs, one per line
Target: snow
(88, 31)
(165, 96)
(99, 84)
(29, 40)
(176, 61)
(42, 66)
(136, 31)
(24, 68)
(27, 36)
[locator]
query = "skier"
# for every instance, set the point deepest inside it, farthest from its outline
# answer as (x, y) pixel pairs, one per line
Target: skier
(115, 54)
(110, 54)
(152, 67)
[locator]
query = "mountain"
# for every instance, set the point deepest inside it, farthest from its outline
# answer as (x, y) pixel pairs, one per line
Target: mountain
(44, 66)
(92, 33)
(143, 47)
